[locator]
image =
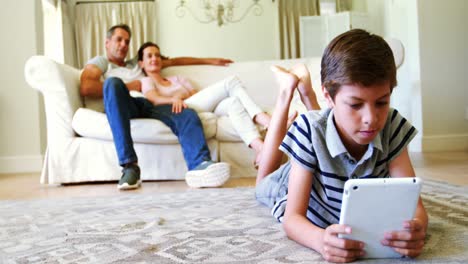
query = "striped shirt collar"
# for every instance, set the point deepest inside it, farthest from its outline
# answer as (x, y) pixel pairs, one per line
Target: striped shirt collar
(335, 145)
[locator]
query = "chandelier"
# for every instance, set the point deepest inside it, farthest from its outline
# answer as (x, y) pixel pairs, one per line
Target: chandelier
(221, 11)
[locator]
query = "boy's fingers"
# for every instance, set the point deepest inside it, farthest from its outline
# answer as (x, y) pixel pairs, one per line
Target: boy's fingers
(337, 259)
(339, 252)
(338, 229)
(332, 238)
(417, 244)
(414, 224)
(342, 243)
(412, 253)
(405, 235)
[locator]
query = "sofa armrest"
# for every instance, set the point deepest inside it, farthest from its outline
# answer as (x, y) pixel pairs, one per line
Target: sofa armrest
(59, 84)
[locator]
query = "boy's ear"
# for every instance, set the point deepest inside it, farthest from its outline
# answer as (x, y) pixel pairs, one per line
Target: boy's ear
(327, 96)
(140, 63)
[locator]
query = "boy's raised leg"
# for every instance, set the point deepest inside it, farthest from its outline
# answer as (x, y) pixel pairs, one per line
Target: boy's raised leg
(279, 123)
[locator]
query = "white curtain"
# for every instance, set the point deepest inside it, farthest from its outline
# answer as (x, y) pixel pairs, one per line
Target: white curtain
(343, 5)
(289, 12)
(92, 20)
(57, 29)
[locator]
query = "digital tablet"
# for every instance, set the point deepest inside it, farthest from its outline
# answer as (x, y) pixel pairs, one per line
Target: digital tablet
(372, 207)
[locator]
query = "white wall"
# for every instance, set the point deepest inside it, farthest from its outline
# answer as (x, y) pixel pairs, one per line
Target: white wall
(432, 90)
(253, 38)
(443, 37)
(400, 20)
(21, 140)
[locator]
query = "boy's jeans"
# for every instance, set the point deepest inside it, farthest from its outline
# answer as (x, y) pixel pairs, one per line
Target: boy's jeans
(121, 107)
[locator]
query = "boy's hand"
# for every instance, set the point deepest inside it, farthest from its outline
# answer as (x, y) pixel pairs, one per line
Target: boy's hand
(339, 250)
(408, 242)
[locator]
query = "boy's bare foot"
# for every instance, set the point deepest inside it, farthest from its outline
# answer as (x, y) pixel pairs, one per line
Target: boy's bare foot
(287, 81)
(304, 87)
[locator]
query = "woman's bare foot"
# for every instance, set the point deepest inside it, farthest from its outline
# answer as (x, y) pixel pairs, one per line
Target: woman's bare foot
(258, 159)
(262, 119)
(304, 87)
(257, 146)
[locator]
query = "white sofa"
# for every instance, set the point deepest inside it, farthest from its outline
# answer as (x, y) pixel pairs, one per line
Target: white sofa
(79, 139)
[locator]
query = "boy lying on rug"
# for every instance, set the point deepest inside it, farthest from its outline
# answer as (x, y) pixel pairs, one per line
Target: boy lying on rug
(358, 135)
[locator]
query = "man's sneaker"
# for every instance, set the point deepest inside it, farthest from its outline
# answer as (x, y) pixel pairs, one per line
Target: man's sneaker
(130, 178)
(208, 174)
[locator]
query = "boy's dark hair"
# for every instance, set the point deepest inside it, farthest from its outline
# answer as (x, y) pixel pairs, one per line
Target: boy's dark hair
(125, 27)
(357, 57)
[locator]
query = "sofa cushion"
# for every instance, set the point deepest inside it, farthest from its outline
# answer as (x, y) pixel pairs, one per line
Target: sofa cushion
(92, 124)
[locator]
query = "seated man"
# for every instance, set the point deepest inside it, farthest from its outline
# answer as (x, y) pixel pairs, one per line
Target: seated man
(120, 77)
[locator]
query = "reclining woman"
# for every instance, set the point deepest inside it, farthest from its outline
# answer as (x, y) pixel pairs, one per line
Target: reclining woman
(226, 97)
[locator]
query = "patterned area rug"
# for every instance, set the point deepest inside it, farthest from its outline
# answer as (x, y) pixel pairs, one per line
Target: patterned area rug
(198, 226)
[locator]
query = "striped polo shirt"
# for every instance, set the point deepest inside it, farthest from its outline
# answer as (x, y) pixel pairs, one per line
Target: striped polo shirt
(315, 144)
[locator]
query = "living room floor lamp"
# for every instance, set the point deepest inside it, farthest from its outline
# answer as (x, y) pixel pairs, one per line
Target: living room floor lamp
(221, 11)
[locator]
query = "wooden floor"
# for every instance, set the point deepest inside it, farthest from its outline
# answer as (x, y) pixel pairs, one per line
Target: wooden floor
(450, 167)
